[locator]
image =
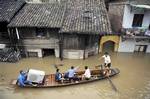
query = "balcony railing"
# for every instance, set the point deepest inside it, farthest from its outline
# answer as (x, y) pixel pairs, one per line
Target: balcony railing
(136, 34)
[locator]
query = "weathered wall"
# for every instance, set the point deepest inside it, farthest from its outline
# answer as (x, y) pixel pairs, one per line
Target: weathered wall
(126, 46)
(73, 41)
(116, 11)
(148, 49)
(73, 54)
(129, 45)
(32, 43)
(30, 40)
(79, 54)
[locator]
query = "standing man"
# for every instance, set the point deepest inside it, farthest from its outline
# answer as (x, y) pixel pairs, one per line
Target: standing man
(107, 63)
(107, 60)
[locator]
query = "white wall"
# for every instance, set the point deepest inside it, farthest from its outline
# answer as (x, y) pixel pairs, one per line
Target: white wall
(129, 46)
(73, 54)
(128, 17)
(146, 20)
(126, 46)
(2, 46)
(57, 52)
(148, 49)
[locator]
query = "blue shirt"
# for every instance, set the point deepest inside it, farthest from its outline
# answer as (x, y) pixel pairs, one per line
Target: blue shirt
(21, 80)
(57, 76)
(71, 73)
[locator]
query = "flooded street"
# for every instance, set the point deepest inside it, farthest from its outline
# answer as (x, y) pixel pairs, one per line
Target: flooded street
(133, 82)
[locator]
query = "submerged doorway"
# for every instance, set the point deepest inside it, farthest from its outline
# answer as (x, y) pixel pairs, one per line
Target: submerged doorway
(48, 52)
(109, 43)
(140, 48)
(108, 46)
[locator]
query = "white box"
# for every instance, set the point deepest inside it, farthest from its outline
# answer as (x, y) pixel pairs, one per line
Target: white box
(35, 76)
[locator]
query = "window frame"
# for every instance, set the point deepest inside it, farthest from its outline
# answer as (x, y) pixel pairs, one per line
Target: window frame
(137, 20)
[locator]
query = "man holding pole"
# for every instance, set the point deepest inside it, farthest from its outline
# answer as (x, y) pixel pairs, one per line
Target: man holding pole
(107, 63)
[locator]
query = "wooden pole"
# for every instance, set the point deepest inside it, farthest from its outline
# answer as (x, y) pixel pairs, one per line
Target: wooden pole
(84, 48)
(61, 47)
(99, 44)
(10, 39)
(111, 83)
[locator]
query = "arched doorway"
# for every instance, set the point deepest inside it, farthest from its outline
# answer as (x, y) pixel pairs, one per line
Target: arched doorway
(108, 46)
(109, 42)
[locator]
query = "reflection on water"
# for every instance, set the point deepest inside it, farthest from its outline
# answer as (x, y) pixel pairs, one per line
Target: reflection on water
(133, 82)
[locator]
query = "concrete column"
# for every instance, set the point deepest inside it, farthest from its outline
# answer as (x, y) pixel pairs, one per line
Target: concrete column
(40, 53)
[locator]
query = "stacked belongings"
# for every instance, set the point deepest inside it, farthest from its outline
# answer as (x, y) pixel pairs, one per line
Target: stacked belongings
(36, 76)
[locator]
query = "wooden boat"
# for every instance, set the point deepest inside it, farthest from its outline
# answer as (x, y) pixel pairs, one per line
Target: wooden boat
(49, 80)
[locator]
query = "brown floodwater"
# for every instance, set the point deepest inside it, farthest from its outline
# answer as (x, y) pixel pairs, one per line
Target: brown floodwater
(133, 82)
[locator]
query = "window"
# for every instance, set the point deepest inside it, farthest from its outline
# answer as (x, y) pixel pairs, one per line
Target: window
(40, 32)
(137, 20)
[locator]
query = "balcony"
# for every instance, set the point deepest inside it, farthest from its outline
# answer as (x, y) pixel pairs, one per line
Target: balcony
(136, 34)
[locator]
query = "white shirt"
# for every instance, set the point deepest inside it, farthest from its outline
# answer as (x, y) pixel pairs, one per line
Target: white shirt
(87, 73)
(107, 59)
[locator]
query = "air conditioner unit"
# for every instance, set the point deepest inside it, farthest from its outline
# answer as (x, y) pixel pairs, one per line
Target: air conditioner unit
(35, 76)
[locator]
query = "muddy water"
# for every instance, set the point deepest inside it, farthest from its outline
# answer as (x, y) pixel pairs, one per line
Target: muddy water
(132, 83)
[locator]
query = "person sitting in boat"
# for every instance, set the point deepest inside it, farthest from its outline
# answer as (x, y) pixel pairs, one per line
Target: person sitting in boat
(87, 73)
(106, 71)
(71, 73)
(58, 75)
(22, 79)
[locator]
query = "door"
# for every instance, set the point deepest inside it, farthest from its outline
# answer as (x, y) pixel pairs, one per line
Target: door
(140, 48)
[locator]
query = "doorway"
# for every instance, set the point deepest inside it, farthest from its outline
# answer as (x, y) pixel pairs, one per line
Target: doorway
(140, 48)
(48, 52)
(108, 46)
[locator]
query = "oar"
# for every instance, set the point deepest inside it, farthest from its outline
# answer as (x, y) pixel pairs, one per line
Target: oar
(113, 86)
(56, 65)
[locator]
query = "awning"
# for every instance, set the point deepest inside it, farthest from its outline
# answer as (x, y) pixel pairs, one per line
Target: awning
(141, 6)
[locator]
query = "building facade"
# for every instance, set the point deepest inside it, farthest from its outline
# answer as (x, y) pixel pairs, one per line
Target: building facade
(132, 20)
(36, 28)
(71, 29)
(8, 9)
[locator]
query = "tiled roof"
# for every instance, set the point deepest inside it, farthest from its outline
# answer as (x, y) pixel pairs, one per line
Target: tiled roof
(86, 16)
(39, 15)
(9, 8)
(74, 16)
